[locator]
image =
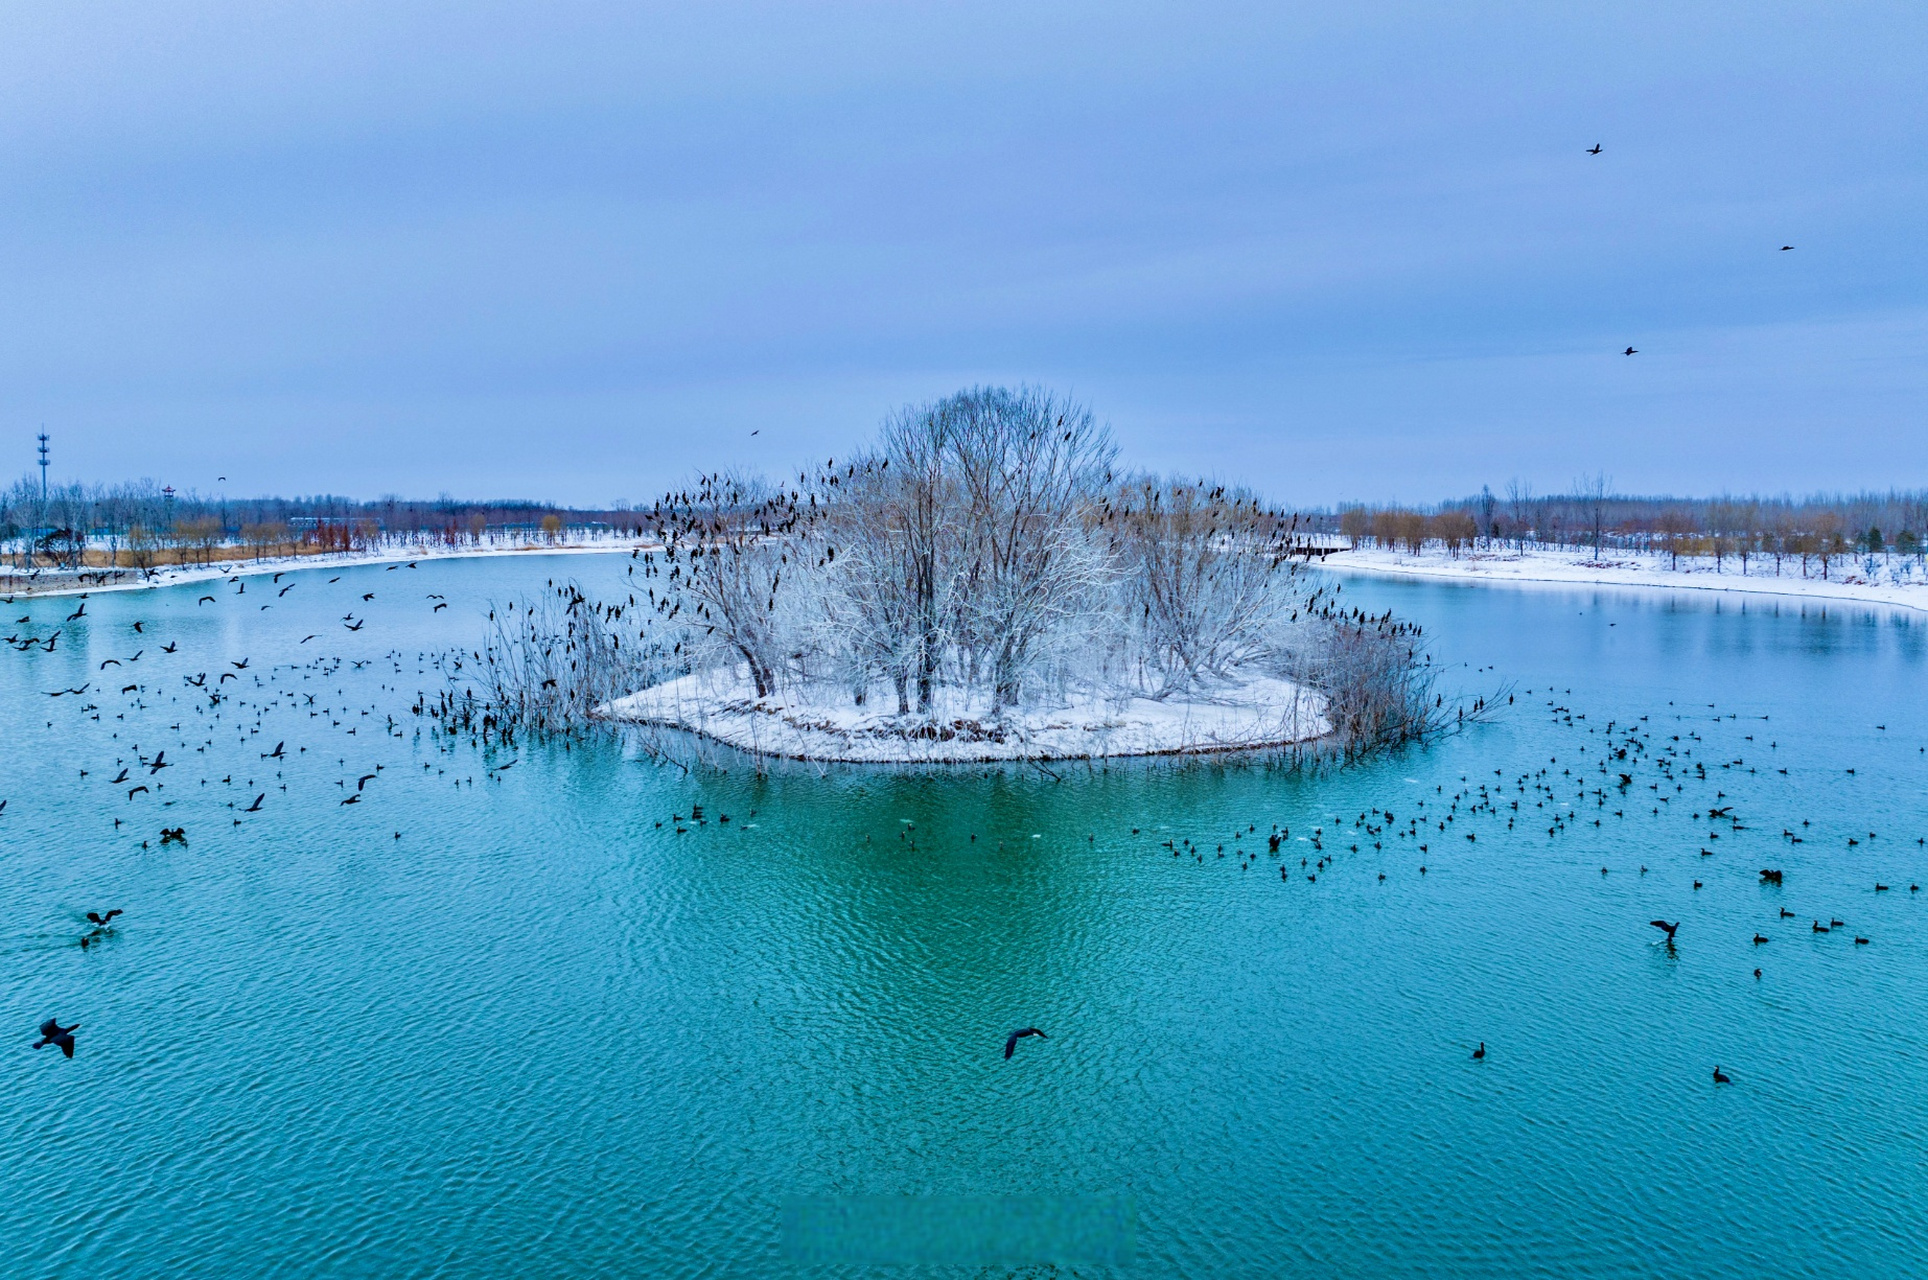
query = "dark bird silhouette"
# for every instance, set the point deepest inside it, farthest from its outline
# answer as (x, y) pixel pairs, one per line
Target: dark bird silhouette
(1759, 938)
(1662, 924)
(1594, 150)
(95, 917)
(1479, 1054)
(111, 662)
(137, 628)
(134, 791)
(119, 780)
(169, 647)
(1720, 1077)
(78, 613)
(241, 665)
(173, 835)
(203, 600)
(1631, 351)
(278, 752)
(364, 780)
(159, 763)
(51, 1032)
(256, 806)
(1786, 247)
(443, 605)
(1011, 1041)
(354, 799)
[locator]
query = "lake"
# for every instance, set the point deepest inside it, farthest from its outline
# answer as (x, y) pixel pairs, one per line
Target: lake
(541, 1020)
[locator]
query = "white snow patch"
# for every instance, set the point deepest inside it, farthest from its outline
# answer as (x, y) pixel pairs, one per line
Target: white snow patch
(1882, 580)
(1252, 712)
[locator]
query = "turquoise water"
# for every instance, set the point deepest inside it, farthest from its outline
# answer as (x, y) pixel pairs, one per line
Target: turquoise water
(551, 1030)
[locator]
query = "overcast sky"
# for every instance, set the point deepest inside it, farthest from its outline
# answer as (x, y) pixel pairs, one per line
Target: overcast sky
(575, 251)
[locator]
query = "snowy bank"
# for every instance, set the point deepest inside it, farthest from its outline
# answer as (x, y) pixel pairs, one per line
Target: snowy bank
(50, 582)
(1894, 581)
(722, 705)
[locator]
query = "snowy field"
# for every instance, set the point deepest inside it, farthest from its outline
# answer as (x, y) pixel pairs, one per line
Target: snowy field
(1887, 580)
(722, 705)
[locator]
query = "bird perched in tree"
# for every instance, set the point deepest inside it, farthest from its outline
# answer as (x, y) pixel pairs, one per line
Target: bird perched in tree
(1011, 1041)
(51, 1032)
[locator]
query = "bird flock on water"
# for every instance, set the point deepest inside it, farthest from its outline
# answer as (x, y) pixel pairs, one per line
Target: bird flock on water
(1663, 765)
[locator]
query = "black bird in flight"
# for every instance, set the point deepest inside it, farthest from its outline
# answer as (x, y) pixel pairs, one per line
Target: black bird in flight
(1594, 150)
(276, 754)
(78, 612)
(1786, 247)
(241, 665)
(134, 791)
(169, 648)
(1011, 1041)
(364, 780)
(137, 627)
(158, 763)
(203, 600)
(51, 1032)
(95, 917)
(256, 806)
(1662, 924)
(1631, 351)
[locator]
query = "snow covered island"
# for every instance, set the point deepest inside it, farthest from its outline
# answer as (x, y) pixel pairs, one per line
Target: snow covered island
(1264, 712)
(981, 585)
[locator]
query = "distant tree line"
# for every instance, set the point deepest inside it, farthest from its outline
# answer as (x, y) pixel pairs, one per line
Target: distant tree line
(1812, 532)
(140, 525)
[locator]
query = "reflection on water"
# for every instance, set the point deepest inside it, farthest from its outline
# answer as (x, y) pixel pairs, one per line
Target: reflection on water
(545, 1033)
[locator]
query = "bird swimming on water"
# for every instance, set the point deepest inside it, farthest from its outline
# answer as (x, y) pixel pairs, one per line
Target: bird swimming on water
(1011, 1041)
(1479, 1054)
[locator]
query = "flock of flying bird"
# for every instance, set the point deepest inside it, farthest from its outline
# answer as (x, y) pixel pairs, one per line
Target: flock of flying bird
(247, 708)
(1631, 350)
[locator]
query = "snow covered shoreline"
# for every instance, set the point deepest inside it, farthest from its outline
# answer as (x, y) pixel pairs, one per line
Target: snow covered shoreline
(1848, 581)
(65, 585)
(1258, 713)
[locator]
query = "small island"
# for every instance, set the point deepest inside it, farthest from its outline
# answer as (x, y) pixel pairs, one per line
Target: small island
(984, 583)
